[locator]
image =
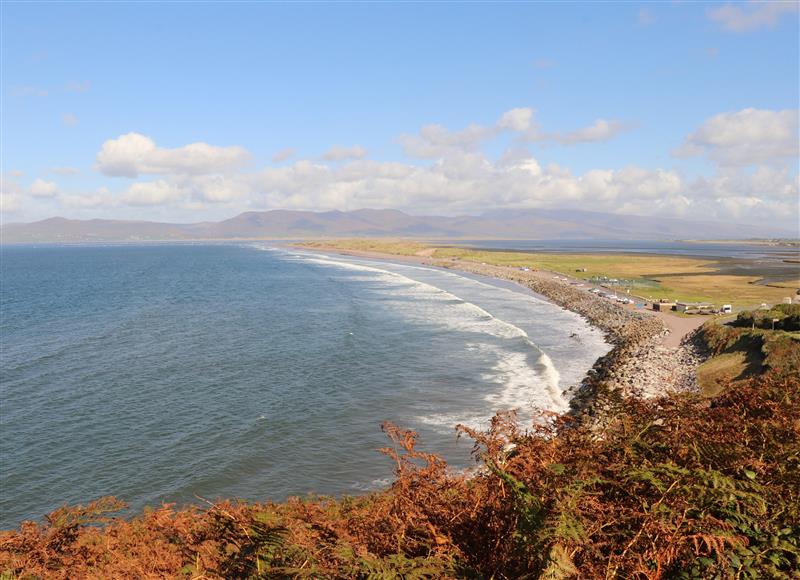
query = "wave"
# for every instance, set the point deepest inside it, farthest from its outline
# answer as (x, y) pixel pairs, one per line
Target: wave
(527, 376)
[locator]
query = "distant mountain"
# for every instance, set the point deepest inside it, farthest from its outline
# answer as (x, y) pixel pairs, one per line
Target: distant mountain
(500, 224)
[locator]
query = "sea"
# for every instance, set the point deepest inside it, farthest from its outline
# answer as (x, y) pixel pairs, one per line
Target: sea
(190, 372)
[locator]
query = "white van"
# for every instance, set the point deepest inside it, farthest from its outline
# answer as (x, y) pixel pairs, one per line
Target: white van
(726, 309)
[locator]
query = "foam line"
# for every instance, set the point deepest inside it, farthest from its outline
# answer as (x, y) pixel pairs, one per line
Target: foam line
(512, 369)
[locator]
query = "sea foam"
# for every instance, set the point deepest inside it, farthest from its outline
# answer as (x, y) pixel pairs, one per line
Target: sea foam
(527, 377)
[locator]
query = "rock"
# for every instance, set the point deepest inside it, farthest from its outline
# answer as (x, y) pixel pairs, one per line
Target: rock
(638, 365)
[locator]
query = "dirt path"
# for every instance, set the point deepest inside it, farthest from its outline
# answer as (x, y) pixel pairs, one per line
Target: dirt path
(678, 327)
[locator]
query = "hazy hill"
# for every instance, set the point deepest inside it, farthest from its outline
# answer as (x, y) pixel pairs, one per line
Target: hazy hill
(508, 224)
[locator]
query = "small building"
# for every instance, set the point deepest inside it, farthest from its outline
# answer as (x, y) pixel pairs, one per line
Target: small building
(787, 300)
(690, 307)
(663, 306)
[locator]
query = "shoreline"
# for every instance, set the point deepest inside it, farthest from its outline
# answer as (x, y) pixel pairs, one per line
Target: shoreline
(651, 354)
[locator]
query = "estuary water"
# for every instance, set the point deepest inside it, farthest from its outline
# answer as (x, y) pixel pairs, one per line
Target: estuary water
(164, 373)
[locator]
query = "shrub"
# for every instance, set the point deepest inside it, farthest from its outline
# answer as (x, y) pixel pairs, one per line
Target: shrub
(675, 488)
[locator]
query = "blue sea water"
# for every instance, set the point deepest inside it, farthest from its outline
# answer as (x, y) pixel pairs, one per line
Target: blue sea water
(171, 372)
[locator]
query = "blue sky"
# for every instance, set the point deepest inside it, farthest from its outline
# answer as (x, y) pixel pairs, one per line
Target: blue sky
(668, 108)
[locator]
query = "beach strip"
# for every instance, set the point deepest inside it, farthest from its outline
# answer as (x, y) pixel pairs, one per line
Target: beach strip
(641, 363)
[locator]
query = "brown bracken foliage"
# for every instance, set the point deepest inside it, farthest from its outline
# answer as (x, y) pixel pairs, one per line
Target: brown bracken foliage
(681, 487)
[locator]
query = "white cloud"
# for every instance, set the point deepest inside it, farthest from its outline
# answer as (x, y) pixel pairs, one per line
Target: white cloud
(69, 119)
(461, 178)
(340, 153)
(745, 137)
(133, 154)
(516, 119)
(11, 197)
(435, 141)
(77, 86)
(152, 193)
(599, 131)
(751, 16)
(101, 199)
(468, 182)
(283, 155)
(41, 188)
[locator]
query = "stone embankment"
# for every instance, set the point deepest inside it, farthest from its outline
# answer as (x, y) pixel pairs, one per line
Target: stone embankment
(638, 365)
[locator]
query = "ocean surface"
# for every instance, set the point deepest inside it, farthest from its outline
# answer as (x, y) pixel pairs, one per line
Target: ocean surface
(734, 250)
(171, 372)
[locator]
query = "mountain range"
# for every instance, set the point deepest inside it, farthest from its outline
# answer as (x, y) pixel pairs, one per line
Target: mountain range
(286, 224)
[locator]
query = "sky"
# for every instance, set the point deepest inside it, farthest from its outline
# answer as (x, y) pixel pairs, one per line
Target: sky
(187, 111)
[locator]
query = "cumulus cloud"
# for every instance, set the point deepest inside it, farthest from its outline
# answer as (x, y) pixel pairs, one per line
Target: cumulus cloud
(469, 182)
(42, 188)
(751, 16)
(599, 131)
(516, 119)
(745, 137)
(436, 141)
(152, 193)
(133, 154)
(102, 198)
(283, 155)
(461, 178)
(341, 152)
(11, 197)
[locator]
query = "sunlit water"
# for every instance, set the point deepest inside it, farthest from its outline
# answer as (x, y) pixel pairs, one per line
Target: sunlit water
(166, 372)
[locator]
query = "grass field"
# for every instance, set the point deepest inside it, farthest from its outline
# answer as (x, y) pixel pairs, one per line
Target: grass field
(652, 277)
(396, 247)
(713, 375)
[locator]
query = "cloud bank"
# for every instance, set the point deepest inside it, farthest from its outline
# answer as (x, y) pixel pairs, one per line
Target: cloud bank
(752, 15)
(133, 154)
(753, 153)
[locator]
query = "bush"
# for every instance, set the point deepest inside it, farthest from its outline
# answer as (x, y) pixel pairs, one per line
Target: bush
(787, 316)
